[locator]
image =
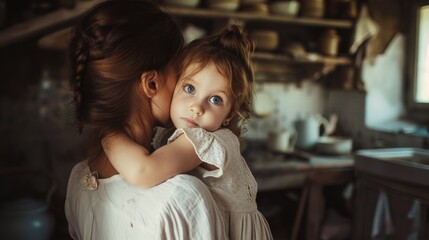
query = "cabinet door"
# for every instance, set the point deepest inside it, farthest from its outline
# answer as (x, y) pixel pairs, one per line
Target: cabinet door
(400, 204)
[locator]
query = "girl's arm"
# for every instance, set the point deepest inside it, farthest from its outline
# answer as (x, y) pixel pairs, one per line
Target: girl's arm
(138, 167)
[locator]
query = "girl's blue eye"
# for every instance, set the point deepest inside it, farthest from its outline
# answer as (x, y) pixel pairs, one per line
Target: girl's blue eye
(189, 88)
(216, 100)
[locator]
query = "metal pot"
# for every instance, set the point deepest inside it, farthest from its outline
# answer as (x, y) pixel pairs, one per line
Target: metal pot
(23, 216)
(25, 219)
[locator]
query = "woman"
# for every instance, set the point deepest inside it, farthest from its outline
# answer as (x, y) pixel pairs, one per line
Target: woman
(121, 54)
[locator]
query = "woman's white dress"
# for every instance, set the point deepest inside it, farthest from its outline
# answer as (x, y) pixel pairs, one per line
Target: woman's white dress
(232, 184)
(180, 208)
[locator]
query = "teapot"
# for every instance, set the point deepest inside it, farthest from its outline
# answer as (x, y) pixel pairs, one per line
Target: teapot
(308, 130)
(283, 140)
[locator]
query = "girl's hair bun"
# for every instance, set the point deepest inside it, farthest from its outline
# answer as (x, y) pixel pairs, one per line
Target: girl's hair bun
(235, 40)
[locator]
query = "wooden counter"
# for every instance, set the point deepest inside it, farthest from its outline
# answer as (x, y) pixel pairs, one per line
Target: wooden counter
(310, 172)
(274, 171)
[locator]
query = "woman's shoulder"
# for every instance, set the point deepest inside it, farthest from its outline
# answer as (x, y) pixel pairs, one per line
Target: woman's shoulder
(78, 171)
(80, 167)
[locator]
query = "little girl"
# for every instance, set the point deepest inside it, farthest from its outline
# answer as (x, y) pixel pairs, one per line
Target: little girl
(212, 99)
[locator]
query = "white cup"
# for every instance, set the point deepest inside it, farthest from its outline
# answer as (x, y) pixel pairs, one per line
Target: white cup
(282, 141)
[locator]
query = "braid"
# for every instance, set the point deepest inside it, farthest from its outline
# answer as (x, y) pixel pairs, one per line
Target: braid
(86, 46)
(79, 56)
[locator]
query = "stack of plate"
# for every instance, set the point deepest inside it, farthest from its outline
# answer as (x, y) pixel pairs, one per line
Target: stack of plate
(258, 8)
(182, 3)
(265, 40)
(312, 8)
(247, 2)
(294, 49)
(226, 5)
(255, 6)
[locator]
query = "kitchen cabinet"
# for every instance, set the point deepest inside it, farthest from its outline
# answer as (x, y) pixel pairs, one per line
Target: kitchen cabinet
(392, 187)
(401, 196)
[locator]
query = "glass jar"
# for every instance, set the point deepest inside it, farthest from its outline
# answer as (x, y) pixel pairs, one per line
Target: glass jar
(329, 42)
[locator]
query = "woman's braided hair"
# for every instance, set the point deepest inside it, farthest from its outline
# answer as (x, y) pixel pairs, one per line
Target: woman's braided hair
(111, 46)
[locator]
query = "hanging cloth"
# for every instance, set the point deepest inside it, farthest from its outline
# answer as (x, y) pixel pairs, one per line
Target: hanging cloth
(365, 29)
(382, 224)
(414, 215)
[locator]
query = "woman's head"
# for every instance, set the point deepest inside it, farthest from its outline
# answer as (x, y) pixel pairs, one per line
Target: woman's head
(227, 53)
(120, 53)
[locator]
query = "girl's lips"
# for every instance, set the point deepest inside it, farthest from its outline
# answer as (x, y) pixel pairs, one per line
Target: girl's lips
(190, 122)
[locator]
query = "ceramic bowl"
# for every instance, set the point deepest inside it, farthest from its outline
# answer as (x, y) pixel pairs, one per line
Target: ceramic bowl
(334, 145)
(265, 40)
(258, 8)
(285, 8)
(294, 48)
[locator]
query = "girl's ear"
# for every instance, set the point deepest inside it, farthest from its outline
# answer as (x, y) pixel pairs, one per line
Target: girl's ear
(227, 120)
(150, 83)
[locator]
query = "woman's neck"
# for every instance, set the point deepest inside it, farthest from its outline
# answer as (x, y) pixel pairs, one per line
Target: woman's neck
(140, 132)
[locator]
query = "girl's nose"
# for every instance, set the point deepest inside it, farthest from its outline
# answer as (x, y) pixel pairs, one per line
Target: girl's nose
(197, 109)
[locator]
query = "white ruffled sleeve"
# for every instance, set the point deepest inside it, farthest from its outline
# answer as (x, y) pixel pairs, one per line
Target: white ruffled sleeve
(208, 148)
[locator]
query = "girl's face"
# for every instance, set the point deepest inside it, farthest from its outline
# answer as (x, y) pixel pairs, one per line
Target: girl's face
(202, 100)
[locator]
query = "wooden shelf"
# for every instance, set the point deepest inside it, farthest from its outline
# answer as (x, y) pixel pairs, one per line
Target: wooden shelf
(248, 17)
(64, 17)
(310, 59)
(44, 24)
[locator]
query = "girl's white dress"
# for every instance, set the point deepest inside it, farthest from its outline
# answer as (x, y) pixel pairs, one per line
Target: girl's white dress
(232, 184)
(180, 208)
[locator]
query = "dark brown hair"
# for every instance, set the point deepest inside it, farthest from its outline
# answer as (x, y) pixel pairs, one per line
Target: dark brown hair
(230, 50)
(112, 45)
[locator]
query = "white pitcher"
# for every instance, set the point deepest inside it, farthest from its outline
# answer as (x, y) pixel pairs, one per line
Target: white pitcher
(308, 130)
